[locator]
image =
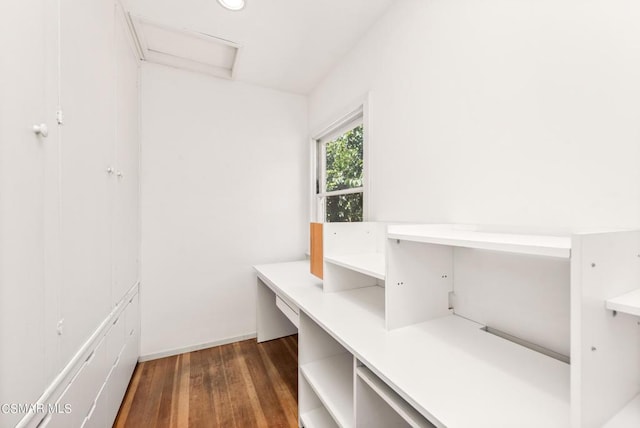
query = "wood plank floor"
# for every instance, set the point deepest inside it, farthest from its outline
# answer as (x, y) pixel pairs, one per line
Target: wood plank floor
(241, 385)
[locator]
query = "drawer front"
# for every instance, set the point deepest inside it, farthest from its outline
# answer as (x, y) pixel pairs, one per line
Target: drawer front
(132, 317)
(81, 393)
(97, 417)
(116, 338)
(86, 386)
(289, 310)
(121, 376)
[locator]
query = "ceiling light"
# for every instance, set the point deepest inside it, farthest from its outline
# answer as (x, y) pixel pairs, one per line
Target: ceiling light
(232, 4)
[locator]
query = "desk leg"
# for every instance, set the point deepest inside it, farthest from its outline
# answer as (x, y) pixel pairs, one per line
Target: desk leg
(271, 322)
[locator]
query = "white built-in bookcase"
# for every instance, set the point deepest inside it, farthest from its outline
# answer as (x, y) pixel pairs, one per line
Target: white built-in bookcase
(558, 316)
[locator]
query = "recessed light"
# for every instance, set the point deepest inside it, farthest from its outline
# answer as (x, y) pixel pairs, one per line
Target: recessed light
(232, 4)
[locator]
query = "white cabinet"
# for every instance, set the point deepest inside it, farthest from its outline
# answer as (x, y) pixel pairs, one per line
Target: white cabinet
(87, 100)
(124, 365)
(85, 386)
(78, 399)
(97, 384)
(116, 338)
(99, 155)
(69, 199)
(126, 212)
(98, 414)
(24, 156)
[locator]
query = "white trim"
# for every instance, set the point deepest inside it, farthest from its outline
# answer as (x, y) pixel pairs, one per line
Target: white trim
(186, 349)
(344, 115)
(341, 192)
(123, 15)
(158, 57)
(356, 112)
(352, 120)
(366, 157)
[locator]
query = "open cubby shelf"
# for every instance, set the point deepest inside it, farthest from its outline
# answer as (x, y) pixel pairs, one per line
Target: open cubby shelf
(331, 379)
(398, 408)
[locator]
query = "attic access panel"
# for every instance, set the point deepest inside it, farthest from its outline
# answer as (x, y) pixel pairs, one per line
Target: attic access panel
(185, 49)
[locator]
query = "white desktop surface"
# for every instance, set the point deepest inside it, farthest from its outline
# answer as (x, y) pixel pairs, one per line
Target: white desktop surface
(452, 372)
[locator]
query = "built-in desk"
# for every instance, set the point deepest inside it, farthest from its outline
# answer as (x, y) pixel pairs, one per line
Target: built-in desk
(446, 372)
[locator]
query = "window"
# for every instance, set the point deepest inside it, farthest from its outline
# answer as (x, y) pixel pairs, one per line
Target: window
(340, 171)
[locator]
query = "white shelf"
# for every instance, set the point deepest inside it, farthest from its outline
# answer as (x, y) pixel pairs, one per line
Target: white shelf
(318, 418)
(400, 406)
(542, 245)
(332, 381)
(628, 303)
(628, 417)
(372, 264)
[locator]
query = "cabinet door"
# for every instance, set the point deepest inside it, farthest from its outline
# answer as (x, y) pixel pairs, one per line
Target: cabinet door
(126, 212)
(87, 94)
(23, 65)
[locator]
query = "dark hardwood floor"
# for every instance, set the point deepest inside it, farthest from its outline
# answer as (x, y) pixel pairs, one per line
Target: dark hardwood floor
(241, 385)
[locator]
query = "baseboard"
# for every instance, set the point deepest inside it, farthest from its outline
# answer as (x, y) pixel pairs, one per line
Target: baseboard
(184, 350)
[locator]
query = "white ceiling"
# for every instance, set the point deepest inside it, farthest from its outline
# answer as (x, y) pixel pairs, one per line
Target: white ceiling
(288, 45)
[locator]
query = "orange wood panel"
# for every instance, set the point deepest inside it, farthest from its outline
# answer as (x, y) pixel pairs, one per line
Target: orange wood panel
(316, 249)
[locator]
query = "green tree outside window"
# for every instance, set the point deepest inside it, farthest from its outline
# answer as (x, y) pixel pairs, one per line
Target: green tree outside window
(344, 162)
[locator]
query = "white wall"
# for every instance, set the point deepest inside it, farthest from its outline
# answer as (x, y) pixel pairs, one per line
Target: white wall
(505, 112)
(224, 186)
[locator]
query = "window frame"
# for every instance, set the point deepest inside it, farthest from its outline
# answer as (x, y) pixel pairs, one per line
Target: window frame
(355, 116)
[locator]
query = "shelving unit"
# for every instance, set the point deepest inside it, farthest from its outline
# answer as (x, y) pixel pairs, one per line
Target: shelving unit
(416, 352)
